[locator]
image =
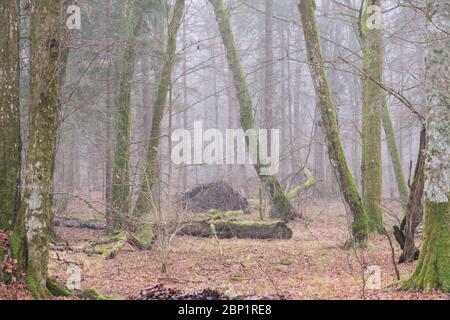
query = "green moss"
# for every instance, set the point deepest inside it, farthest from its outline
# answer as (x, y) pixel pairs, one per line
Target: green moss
(253, 223)
(92, 294)
(146, 235)
(57, 289)
(216, 216)
(433, 269)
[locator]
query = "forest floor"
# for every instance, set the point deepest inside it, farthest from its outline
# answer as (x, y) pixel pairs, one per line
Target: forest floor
(312, 265)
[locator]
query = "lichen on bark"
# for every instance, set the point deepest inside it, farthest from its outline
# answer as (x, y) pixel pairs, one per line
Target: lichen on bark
(10, 141)
(35, 208)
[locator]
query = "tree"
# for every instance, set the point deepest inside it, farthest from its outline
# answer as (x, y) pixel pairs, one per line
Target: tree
(433, 269)
(120, 189)
(394, 154)
(35, 208)
(373, 101)
(10, 141)
(352, 200)
(269, 89)
(143, 203)
(280, 203)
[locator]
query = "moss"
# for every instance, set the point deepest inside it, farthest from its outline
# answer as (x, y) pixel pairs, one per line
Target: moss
(253, 223)
(395, 155)
(330, 123)
(433, 269)
(146, 235)
(281, 208)
(110, 253)
(92, 294)
(150, 174)
(58, 289)
(215, 216)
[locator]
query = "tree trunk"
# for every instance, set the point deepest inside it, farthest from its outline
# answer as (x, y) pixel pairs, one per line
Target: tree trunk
(352, 200)
(373, 101)
(143, 204)
(120, 190)
(433, 269)
(414, 209)
(239, 229)
(10, 141)
(269, 89)
(280, 204)
(395, 156)
(35, 208)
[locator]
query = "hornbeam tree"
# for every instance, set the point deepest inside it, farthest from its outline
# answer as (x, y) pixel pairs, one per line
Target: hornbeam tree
(120, 188)
(10, 142)
(433, 268)
(143, 204)
(35, 208)
(372, 109)
(281, 206)
(351, 197)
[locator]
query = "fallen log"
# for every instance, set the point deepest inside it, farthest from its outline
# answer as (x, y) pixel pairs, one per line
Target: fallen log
(81, 224)
(239, 229)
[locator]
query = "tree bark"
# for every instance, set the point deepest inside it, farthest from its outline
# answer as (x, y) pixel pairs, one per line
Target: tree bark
(10, 140)
(35, 208)
(239, 229)
(352, 200)
(281, 208)
(143, 204)
(373, 102)
(433, 269)
(395, 156)
(120, 190)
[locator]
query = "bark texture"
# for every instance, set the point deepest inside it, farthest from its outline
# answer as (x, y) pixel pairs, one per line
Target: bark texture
(35, 208)
(120, 189)
(10, 141)
(352, 200)
(373, 101)
(433, 269)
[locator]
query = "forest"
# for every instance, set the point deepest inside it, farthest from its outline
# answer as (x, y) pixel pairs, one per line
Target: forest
(224, 150)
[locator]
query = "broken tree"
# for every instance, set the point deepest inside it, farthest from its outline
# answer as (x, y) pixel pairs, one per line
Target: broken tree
(281, 207)
(352, 200)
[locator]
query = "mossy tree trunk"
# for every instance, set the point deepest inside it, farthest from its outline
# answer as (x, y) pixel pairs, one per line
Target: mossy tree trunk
(143, 204)
(120, 188)
(281, 207)
(433, 268)
(352, 200)
(35, 208)
(372, 109)
(10, 141)
(394, 154)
